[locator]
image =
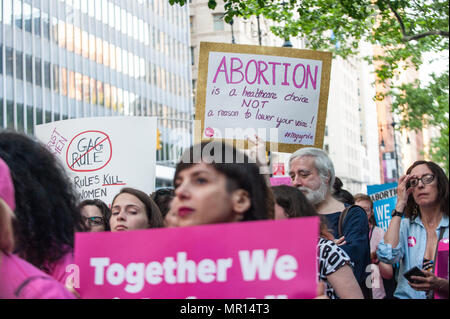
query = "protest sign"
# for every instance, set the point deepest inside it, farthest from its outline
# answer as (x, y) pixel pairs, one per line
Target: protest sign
(280, 94)
(384, 197)
(280, 180)
(261, 259)
(278, 169)
(441, 269)
(103, 154)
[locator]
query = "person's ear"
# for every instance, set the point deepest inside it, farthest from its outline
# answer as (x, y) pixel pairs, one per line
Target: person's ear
(241, 202)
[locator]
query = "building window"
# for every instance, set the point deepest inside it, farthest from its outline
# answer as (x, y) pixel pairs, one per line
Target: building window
(9, 61)
(192, 55)
(218, 22)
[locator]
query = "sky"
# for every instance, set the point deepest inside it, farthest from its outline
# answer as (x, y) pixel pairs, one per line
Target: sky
(439, 64)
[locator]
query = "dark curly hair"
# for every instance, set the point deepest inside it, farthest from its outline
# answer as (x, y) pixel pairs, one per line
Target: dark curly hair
(46, 213)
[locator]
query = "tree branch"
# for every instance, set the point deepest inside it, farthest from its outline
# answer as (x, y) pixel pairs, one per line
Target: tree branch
(399, 19)
(407, 37)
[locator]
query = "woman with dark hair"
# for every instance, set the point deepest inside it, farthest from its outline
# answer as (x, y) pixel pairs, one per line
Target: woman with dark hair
(162, 197)
(216, 183)
(18, 278)
(341, 194)
(422, 197)
(96, 214)
(133, 209)
(46, 212)
(335, 267)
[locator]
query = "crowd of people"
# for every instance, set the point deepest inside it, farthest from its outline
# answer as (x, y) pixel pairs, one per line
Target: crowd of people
(40, 214)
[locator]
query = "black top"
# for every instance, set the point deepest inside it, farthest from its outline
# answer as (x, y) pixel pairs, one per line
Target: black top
(356, 231)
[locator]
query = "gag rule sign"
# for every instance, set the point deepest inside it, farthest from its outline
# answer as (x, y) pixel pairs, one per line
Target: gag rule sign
(223, 261)
(104, 154)
(384, 198)
(280, 94)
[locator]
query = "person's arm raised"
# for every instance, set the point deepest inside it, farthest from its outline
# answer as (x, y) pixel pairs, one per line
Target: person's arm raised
(392, 234)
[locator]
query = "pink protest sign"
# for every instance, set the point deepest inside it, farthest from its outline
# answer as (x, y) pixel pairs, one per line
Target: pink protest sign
(264, 259)
(275, 181)
(442, 263)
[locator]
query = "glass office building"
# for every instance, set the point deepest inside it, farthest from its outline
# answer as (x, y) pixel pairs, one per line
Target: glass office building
(62, 59)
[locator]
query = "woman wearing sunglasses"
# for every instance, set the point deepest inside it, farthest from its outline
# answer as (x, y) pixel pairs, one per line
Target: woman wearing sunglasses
(422, 198)
(95, 214)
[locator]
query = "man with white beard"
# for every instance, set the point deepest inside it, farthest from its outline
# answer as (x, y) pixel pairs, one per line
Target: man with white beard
(312, 172)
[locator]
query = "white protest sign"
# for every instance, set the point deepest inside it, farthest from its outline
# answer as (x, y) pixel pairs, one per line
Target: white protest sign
(243, 90)
(103, 154)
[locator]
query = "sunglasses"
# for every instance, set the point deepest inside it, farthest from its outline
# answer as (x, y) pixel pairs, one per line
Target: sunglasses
(426, 179)
(94, 221)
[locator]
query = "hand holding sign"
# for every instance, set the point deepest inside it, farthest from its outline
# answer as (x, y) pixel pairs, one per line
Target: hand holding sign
(258, 150)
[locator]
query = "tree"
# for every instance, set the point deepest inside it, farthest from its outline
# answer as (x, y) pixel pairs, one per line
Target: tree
(410, 99)
(405, 29)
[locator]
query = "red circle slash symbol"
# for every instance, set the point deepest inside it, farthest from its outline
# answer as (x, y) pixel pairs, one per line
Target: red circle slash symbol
(89, 151)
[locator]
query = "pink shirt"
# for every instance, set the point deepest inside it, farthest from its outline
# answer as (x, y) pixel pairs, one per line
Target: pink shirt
(21, 280)
(59, 270)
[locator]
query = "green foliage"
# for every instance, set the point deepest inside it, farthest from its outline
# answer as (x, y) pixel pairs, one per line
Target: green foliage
(405, 29)
(412, 102)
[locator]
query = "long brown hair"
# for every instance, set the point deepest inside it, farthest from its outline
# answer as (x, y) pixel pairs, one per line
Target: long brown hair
(412, 209)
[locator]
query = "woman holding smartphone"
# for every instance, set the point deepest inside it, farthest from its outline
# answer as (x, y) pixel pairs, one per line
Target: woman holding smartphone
(422, 197)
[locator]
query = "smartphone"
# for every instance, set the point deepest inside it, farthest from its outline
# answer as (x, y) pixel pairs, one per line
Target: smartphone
(415, 271)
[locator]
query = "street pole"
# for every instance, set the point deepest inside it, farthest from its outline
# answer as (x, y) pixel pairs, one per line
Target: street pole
(395, 151)
(259, 30)
(232, 33)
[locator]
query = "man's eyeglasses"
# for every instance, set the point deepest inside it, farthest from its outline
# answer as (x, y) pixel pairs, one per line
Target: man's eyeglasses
(94, 221)
(426, 179)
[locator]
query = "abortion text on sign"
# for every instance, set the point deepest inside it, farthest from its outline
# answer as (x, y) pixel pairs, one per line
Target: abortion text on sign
(214, 261)
(252, 91)
(384, 197)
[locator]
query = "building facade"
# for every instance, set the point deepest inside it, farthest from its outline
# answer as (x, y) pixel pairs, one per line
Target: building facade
(351, 134)
(63, 59)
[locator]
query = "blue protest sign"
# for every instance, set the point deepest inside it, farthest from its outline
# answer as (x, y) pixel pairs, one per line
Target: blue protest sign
(384, 197)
